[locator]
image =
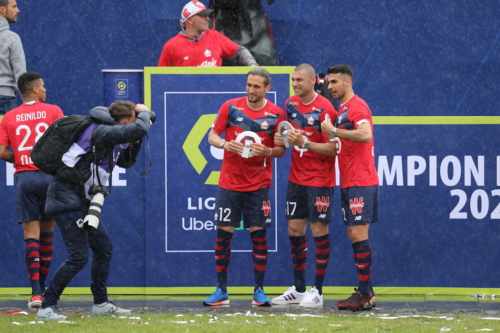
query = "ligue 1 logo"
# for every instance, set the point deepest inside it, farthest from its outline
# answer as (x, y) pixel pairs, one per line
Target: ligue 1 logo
(192, 149)
(121, 88)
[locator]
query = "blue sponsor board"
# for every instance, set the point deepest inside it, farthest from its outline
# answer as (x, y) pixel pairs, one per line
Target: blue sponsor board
(439, 223)
(186, 175)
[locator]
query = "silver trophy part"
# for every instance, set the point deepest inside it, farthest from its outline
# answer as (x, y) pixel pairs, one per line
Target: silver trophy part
(283, 129)
(247, 144)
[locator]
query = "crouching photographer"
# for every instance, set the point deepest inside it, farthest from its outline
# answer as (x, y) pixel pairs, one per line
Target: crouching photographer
(92, 157)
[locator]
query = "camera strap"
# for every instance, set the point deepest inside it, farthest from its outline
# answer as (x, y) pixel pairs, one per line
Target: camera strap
(150, 160)
(96, 166)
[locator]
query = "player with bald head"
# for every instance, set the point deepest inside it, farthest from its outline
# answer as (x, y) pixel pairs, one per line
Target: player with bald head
(310, 185)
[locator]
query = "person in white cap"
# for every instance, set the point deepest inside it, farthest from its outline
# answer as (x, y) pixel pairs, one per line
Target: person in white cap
(198, 46)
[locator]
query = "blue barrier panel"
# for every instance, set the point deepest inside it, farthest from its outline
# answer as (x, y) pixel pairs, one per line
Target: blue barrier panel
(438, 197)
(439, 200)
(180, 233)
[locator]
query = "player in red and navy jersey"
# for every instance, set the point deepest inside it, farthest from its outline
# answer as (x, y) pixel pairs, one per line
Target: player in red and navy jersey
(20, 129)
(197, 46)
(244, 182)
(310, 185)
(353, 132)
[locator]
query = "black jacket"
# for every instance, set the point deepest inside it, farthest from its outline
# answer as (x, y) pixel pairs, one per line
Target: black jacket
(64, 196)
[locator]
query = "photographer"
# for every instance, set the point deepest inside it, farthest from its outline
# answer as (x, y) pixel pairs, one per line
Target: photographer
(69, 199)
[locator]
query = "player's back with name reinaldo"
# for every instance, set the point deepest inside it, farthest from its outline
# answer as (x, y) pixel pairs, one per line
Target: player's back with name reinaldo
(23, 126)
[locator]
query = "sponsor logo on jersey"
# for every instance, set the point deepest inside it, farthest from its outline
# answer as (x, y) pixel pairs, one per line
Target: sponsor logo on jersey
(356, 205)
(322, 203)
(316, 109)
(293, 103)
(294, 115)
(321, 216)
(306, 132)
(268, 220)
(186, 57)
(207, 53)
(264, 125)
(236, 108)
(357, 218)
(271, 114)
(266, 207)
(239, 119)
(310, 120)
(207, 63)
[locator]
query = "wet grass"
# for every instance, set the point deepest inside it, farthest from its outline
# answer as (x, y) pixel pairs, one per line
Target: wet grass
(252, 321)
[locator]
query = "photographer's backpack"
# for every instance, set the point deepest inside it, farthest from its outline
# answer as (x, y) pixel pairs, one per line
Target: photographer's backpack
(55, 142)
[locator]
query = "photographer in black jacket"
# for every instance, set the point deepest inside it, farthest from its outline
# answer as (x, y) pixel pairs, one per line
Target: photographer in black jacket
(123, 122)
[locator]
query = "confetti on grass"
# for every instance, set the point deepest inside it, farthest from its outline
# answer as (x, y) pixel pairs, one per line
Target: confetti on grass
(14, 312)
(491, 318)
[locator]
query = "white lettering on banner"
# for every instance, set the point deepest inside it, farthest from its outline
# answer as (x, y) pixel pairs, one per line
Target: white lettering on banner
(116, 176)
(479, 205)
(197, 225)
(208, 203)
(9, 174)
(413, 170)
(388, 173)
(451, 170)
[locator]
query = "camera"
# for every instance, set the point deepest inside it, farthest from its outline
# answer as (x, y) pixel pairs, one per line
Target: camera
(98, 194)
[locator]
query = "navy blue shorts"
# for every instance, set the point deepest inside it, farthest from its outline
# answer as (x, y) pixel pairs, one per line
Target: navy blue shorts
(254, 207)
(31, 195)
(359, 204)
(309, 202)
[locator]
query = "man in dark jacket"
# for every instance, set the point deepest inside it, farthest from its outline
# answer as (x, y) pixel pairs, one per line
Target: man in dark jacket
(68, 200)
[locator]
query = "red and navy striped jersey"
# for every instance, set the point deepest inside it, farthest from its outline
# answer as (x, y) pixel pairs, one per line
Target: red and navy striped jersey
(356, 159)
(235, 117)
(312, 169)
(23, 126)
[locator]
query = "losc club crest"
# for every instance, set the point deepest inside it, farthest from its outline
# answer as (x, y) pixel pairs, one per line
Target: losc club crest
(264, 125)
(310, 120)
(207, 53)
